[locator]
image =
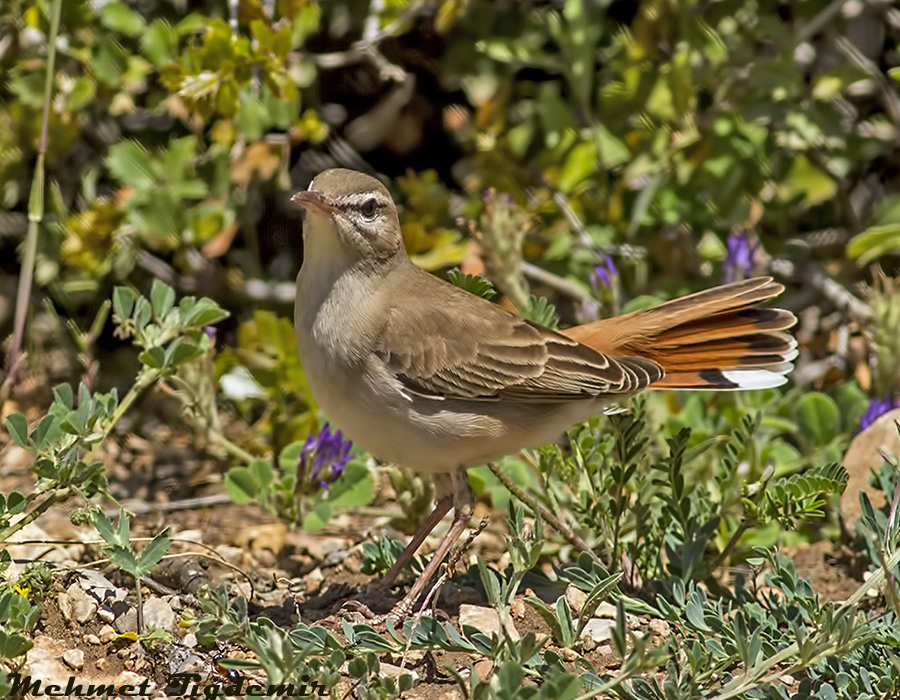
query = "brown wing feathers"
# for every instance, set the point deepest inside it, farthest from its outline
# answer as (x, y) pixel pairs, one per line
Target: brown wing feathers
(715, 339)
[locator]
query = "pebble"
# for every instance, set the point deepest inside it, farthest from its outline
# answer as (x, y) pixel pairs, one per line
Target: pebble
(568, 655)
(158, 613)
(92, 639)
(606, 610)
(598, 630)
(660, 627)
(576, 598)
(106, 614)
(313, 581)
(76, 605)
(127, 622)
(517, 608)
(484, 619)
(392, 671)
(106, 634)
(74, 659)
(134, 679)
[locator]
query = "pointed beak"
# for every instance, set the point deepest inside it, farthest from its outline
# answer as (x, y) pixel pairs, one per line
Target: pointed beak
(313, 201)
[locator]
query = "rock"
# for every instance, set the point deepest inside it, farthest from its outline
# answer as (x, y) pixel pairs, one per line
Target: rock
(863, 455)
(258, 538)
(484, 619)
(484, 668)
(136, 680)
(106, 634)
(313, 581)
(158, 613)
(660, 627)
(127, 622)
(232, 555)
(568, 655)
(576, 598)
(606, 610)
(392, 671)
(74, 659)
(45, 661)
(190, 640)
(598, 630)
(517, 608)
(76, 605)
(92, 639)
(106, 614)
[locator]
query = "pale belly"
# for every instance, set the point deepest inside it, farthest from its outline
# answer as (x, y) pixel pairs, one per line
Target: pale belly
(371, 408)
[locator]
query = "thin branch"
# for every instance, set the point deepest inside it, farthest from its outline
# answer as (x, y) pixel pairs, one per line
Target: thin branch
(562, 528)
(35, 206)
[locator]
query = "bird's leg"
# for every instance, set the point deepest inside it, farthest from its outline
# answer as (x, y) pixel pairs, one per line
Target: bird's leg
(441, 508)
(463, 501)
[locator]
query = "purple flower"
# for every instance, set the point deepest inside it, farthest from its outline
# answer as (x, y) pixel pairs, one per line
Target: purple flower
(603, 274)
(877, 408)
(323, 458)
(740, 256)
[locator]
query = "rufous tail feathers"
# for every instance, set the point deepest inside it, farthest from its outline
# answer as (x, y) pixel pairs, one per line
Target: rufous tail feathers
(720, 338)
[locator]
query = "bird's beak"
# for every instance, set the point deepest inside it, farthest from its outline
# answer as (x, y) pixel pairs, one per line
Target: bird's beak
(313, 201)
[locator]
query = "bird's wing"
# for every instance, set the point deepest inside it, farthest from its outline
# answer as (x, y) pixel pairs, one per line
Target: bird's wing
(463, 347)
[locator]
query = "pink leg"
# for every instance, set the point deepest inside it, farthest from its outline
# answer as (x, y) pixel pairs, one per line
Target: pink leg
(463, 500)
(441, 508)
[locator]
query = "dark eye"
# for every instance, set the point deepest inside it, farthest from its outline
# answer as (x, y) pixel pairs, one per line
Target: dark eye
(369, 209)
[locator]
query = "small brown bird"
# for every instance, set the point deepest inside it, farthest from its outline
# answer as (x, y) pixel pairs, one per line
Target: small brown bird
(427, 376)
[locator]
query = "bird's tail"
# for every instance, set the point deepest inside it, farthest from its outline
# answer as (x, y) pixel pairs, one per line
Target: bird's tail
(720, 338)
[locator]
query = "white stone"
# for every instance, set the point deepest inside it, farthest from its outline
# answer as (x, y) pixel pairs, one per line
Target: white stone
(484, 619)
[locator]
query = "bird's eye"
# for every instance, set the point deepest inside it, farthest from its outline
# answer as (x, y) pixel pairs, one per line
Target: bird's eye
(369, 209)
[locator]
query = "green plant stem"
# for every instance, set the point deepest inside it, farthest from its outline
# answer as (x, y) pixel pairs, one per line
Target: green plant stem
(754, 676)
(35, 206)
(140, 605)
(143, 381)
(230, 447)
(567, 532)
(32, 515)
(732, 543)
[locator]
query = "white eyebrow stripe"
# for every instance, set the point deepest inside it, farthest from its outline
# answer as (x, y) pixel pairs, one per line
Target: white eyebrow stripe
(356, 199)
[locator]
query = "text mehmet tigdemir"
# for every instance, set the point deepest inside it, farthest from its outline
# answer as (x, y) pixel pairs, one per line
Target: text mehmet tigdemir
(178, 684)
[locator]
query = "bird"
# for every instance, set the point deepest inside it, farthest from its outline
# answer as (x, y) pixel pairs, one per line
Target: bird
(427, 376)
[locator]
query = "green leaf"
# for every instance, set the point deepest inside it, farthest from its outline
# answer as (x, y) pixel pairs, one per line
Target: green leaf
(476, 284)
(17, 425)
(580, 164)
(104, 526)
(62, 394)
(162, 298)
(154, 358)
(180, 351)
(541, 311)
(262, 473)
(318, 518)
(160, 42)
(15, 503)
(154, 551)
(121, 18)
(290, 457)
(46, 432)
(355, 487)
(240, 485)
(123, 558)
(142, 313)
(131, 163)
(818, 417)
(874, 242)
